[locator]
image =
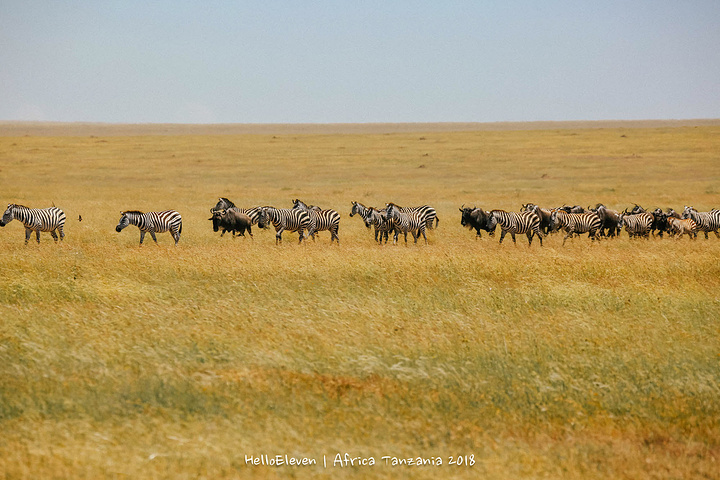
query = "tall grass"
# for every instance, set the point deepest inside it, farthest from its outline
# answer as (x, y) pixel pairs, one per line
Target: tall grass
(592, 360)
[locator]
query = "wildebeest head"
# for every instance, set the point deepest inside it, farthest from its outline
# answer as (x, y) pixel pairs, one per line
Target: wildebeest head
(217, 216)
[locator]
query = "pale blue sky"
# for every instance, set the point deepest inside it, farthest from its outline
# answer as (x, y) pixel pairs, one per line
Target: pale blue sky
(358, 61)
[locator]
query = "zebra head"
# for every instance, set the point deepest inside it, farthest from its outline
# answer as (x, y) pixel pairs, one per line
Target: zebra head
(8, 216)
(124, 222)
(299, 204)
(687, 213)
(359, 209)
(263, 217)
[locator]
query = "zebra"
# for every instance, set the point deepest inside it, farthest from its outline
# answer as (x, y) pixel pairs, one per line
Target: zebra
(226, 204)
(574, 223)
(706, 221)
(426, 211)
(682, 226)
(373, 217)
(414, 222)
(379, 220)
(320, 220)
(637, 225)
(292, 220)
(152, 223)
(542, 213)
(518, 222)
(36, 220)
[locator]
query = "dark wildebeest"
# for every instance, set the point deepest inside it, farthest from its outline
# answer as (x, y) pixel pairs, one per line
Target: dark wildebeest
(575, 209)
(231, 221)
(609, 219)
(543, 214)
(478, 219)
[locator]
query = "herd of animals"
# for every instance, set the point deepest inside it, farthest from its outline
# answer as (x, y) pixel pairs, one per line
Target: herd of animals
(307, 220)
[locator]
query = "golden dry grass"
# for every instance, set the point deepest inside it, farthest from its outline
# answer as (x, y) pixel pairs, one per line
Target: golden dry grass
(588, 361)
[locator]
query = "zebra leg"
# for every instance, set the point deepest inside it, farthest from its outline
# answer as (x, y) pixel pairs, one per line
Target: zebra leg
(61, 230)
(249, 230)
(54, 235)
(278, 236)
(28, 232)
(502, 235)
(334, 235)
(422, 231)
(142, 236)
(152, 234)
(512, 234)
(176, 236)
(302, 236)
(37, 235)
(530, 237)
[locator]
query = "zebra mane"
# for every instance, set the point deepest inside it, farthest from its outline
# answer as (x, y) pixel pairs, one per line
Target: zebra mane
(138, 212)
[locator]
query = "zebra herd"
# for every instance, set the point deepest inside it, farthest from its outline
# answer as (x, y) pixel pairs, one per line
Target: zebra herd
(531, 221)
(596, 222)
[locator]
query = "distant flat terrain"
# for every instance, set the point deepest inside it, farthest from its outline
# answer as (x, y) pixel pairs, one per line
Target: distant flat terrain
(53, 129)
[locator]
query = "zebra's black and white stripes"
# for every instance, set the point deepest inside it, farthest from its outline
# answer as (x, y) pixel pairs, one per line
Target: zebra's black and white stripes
(152, 223)
(575, 223)
(292, 220)
(320, 220)
(637, 225)
(36, 220)
(706, 221)
(518, 222)
(414, 222)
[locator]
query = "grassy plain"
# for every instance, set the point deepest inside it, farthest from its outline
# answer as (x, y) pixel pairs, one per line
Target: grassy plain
(588, 361)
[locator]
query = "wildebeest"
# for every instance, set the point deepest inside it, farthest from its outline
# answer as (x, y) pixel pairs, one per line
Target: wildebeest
(543, 214)
(231, 220)
(478, 219)
(575, 209)
(609, 219)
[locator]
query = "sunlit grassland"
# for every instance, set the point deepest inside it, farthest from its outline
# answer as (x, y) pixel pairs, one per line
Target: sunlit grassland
(584, 361)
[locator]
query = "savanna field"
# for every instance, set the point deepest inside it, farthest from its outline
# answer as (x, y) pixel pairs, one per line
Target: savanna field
(592, 360)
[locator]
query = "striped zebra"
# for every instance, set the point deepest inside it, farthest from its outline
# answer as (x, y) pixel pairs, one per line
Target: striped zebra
(292, 220)
(637, 225)
(427, 212)
(320, 220)
(682, 226)
(36, 220)
(225, 204)
(413, 222)
(706, 221)
(152, 223)
(518, 222)
(372, 217)
(576, 223)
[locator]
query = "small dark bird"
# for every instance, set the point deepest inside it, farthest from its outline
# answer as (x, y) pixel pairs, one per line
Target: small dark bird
(79, 218)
